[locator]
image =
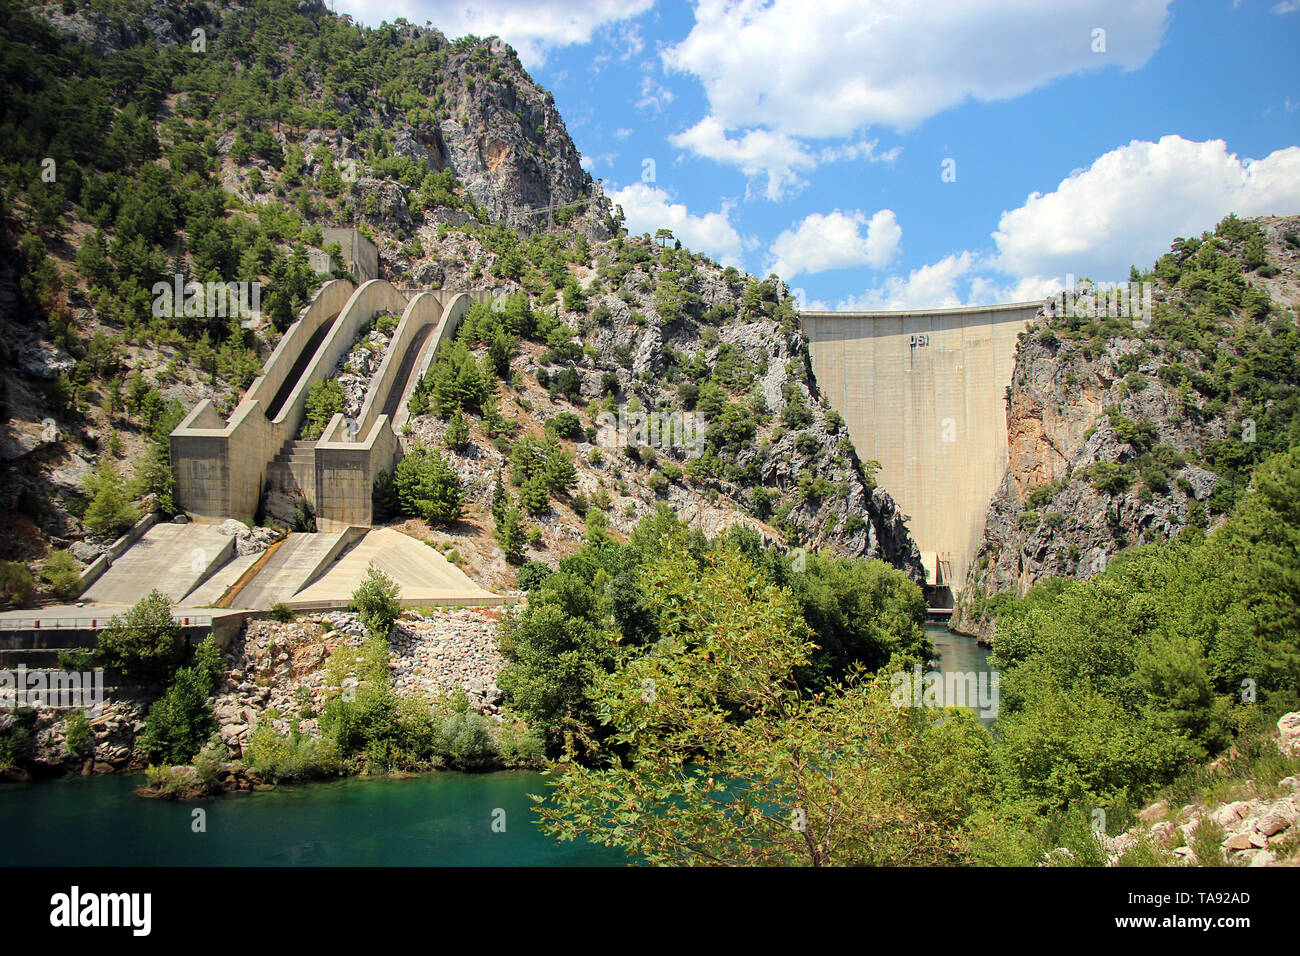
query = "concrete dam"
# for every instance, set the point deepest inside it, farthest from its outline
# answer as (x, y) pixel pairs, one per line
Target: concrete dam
(924, 394)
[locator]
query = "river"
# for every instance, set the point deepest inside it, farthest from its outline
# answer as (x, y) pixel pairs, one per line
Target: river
(438, 819)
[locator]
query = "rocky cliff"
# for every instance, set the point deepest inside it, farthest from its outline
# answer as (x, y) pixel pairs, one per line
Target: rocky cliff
(1121, 436)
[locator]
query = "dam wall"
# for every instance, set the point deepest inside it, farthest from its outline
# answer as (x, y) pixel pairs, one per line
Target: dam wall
(924, 394)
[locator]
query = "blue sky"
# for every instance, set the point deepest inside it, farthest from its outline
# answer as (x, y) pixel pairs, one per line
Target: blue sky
(905, 155)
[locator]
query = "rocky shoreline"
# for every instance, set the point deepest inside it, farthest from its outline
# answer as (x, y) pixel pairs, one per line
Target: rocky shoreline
(275, 672)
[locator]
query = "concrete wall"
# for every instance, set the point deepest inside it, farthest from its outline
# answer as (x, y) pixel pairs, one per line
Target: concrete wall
(370, 298)
(220, 466)
(346, 472)
(457, 306)
(359, 253)
(924, 394)
(96, 568)
(424, 309)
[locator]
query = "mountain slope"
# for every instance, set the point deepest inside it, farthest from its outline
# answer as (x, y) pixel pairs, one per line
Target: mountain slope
(215, 141)
(1121, 436)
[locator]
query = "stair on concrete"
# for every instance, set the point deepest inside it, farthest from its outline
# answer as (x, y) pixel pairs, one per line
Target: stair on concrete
(294, 468)
(171, 558)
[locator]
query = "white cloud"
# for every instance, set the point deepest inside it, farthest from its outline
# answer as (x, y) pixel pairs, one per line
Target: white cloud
(932, 286)
(756, 153)
(533, 28)
(836, 241)
(623, 132)
(939, 286)
(1127, 207)
(1123, 210)
(773, 65)
(648, 208)
(776, 157)
(590, 163)
(654, 95)
(1286, 6)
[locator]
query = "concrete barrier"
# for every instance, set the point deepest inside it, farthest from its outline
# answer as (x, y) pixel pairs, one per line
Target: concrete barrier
(102, 563)
(452, 313)
(923, 393)
(219, 467)
(346, 472)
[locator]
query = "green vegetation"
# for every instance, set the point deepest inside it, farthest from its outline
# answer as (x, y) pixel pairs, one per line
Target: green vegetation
(375, 601)
(324, 401)
(597, 609)
(17, 586)
(109, 511)
(145, 643)
(62, 575)
(426, 486)
(1113, 690)
(181, 720)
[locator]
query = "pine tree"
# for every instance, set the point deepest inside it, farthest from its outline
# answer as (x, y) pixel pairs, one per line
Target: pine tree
(509, 529)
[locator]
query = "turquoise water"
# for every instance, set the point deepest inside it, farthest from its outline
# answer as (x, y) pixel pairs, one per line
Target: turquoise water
(959, 653)
(439, 819)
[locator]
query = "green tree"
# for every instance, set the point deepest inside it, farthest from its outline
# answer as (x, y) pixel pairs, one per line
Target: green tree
(457, 436)
(181, 720)
(145, 643)
(62, 574)
(509, 532)
(325, 399)
(773, 778)
(428, 487)
(109, 511)
(375, 601)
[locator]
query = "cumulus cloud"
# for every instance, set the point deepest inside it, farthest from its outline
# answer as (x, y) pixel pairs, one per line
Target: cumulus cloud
(894, 62)
(836, 240)
(774, 157)
(532, 27)
(1123, 210)
(647, 208)
(774, 75)
(932, 286)
(1127, 207)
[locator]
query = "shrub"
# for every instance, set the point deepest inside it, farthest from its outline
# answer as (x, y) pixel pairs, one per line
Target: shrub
(62, 574)
(17, 586)
(145, 643)
(465, 739)
(509, 531)
(281, 612)
(181, 720)
(296, 757)
(520, 746)
(427, 487)
(533, 574)
(457, 435)
(566, 425)
(324, 401)
(76, 734)
(109, 511)
(375, 601)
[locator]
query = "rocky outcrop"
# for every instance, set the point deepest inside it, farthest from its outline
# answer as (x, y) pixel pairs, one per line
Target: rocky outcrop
(1108, 438)
(1259, 830)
